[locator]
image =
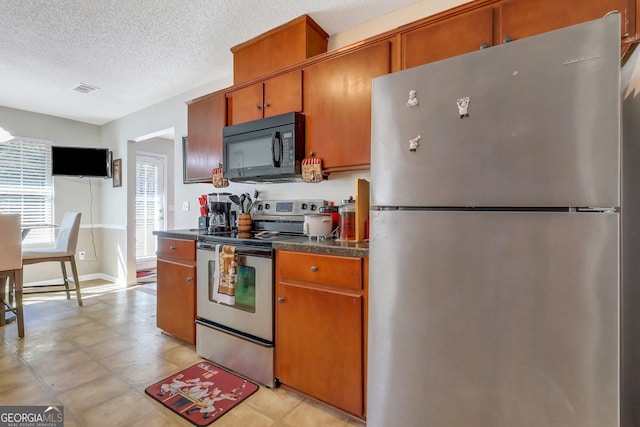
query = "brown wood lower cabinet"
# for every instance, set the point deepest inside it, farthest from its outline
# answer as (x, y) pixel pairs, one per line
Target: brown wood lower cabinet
(176, 288)
(320, 328)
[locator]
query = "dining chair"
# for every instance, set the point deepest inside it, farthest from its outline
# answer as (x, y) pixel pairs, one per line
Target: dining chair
(11, 270)
(63, 252)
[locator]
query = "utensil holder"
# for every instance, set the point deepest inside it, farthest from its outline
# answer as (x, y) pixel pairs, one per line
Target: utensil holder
(244, 222)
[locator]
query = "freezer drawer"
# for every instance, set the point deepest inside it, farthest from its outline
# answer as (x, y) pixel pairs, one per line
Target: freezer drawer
(543, 125)
(493, 319)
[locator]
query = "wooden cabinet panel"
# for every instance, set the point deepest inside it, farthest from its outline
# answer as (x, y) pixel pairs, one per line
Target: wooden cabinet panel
(320, 344)
(321, 269)
(524, 18)
(448, 38)
(321, 327)
(365, 323)
(283, 46)
(176, 248)
(337, 105)
(176, 300)
(277, 95)
(203, 151)
(283, 94)
(176, 290)
(245, 104)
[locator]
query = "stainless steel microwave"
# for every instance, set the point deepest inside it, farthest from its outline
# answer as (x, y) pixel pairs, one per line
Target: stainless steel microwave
(264, 150)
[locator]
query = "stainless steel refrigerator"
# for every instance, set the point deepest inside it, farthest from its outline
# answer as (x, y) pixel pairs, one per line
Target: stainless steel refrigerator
(499, 225)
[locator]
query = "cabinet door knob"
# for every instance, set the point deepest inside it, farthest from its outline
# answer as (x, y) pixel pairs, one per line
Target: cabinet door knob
(172, 248)
(280, 299)
(484, 46)
(314, 268)
(507, 39)
(189, 279)
(267, 105)
(257, 107)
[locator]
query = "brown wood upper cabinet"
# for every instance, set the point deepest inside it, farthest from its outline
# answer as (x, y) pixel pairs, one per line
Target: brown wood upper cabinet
(277, 95)
(524, 18)
(454, 36)
(334, 91)
(281, 47)
(337, 105)
(206, 117)
(502, 22)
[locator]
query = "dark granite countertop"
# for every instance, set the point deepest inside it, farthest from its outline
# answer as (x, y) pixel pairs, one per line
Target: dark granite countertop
(325, 247)
(299, 244)
(187, 234)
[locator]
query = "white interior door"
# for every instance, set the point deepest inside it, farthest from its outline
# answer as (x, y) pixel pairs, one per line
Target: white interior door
(150, 203)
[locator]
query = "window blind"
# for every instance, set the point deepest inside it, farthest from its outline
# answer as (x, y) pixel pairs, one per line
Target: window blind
(146, 196)
(26, 185)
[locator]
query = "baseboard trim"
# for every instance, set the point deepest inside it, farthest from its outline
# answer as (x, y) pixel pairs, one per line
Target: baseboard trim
(94, 276)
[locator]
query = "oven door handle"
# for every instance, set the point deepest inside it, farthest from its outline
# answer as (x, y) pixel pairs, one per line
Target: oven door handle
(220, 328)
(242, 250)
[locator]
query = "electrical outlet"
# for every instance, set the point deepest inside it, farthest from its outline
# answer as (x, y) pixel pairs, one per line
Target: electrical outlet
(185, 206)
(81, 255)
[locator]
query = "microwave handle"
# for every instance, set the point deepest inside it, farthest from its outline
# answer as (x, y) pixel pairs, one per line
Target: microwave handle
(276, 149)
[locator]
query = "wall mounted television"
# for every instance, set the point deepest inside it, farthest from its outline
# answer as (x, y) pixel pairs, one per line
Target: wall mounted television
(81, 161)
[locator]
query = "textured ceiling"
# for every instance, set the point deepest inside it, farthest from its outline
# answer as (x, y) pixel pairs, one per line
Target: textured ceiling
(139, 52)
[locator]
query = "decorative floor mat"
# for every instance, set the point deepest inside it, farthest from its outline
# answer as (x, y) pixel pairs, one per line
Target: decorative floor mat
(201, 393)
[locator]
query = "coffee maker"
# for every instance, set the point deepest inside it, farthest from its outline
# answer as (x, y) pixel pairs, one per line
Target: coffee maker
(221, 214)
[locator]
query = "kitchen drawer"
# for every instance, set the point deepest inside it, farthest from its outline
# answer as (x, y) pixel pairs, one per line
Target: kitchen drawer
(176, 249)
(320, 269)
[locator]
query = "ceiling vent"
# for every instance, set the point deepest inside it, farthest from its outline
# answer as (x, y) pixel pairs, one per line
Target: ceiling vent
(85, 88)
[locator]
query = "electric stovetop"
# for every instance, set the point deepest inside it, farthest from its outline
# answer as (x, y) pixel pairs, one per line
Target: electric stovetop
(273, 220)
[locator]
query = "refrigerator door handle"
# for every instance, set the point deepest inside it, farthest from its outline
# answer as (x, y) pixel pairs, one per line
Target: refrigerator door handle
(603, 210)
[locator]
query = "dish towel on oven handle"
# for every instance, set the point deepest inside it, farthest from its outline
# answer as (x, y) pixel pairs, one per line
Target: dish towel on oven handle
(225, 275)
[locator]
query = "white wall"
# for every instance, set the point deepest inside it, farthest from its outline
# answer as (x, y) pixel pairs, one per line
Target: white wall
(71, 194)
(121, 134)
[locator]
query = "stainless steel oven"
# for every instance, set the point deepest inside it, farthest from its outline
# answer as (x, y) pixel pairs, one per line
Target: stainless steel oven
(236, 329)
(237, 332)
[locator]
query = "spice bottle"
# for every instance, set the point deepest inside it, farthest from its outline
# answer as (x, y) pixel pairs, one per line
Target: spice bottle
(348, 219)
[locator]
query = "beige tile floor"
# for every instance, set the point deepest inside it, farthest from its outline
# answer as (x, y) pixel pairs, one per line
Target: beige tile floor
(96, 360)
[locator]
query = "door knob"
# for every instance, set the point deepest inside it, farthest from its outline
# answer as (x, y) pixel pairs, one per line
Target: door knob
(280, 299)
(314, 268)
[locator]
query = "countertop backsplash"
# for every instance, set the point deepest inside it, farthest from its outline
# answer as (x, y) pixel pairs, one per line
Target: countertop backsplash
(339, 186)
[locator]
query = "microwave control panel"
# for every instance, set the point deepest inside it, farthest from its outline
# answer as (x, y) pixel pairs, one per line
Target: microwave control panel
(288, 150)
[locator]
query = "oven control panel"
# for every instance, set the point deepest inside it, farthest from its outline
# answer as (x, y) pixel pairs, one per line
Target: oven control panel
(291, 210)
